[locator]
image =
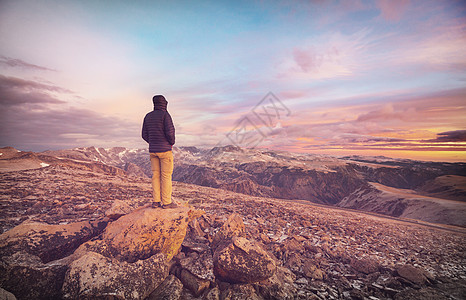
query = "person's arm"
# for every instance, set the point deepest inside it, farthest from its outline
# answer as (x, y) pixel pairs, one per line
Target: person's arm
(145, 132)
(169, 129)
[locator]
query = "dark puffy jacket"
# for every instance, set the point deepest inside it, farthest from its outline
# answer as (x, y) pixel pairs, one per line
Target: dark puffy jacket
(158, 130)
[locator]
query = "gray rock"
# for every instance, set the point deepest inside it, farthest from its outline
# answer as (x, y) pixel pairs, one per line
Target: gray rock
(93, 275)
(279, 286)
(169, 289)
(240, 292)
(27, 277)
(5, 295)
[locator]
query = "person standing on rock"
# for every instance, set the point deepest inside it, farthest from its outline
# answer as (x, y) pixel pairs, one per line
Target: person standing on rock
(159, 132)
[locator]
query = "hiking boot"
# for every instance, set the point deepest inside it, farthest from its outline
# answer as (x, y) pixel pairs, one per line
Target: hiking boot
(157, 204)
(171, 205)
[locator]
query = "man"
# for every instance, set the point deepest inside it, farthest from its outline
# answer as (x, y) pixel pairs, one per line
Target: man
(159, 132)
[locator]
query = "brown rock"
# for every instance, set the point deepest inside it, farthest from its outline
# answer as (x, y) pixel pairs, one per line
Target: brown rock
(365, 265)
(233, 226)
(294, 245)
(311, 271)
(147, 231)
(119, 208)
(243, 261)
(196, 228)
(169, 289)
(93, 276)
(48, 242)
(193, 283)
(294, 262)
(411, 273)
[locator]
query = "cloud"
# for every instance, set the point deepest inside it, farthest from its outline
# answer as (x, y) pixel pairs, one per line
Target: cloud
(16, 91)
(18, 63)
(392, 10)
(405, 122)
(450, 136)
(34, 116)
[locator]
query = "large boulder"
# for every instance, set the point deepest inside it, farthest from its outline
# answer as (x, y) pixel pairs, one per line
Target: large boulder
(48, 242)
(145, 232)
(243, 261)
(27, 277)
(96, 276)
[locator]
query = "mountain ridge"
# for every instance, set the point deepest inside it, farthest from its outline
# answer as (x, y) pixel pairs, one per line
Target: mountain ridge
(353, 182)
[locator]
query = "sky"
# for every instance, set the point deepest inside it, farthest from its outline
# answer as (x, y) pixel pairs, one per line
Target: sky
(327, 77)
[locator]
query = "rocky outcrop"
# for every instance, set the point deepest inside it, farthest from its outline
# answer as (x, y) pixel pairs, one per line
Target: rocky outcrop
(93, 276)
(146, 232)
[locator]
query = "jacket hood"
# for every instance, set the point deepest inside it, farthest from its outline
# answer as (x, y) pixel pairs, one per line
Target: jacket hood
(160, 102)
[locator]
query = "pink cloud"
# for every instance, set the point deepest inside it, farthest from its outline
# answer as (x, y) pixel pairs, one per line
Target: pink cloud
(392, 10)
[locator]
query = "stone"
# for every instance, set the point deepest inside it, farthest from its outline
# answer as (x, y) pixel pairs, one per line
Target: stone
(147, 231)
(279, 286)
(422, 294)
(193, 283)
(411, 273)
(293, 245)
(243, 261)
(201, 266)
(5, 295)
(311, 271)
(213, 294)
(196, 228)
(48, 242)
(294, 262)
(94, 275)
(27, 277)
(240, 292)
(232, 227)
(118, 209)
(365, 265)
(170, 289)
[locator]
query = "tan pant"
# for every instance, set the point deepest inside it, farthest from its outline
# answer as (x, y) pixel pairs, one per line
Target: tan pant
(162, 170)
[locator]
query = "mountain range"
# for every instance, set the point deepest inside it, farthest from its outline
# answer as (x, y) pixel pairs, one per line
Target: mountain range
(427, 191)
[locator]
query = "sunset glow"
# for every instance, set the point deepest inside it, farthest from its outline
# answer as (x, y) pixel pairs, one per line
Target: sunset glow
(358, 77)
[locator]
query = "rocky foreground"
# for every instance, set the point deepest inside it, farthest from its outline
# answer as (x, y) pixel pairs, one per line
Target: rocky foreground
(73, 233)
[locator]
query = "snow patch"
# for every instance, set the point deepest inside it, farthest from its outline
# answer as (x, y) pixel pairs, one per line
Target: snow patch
(43, 165)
